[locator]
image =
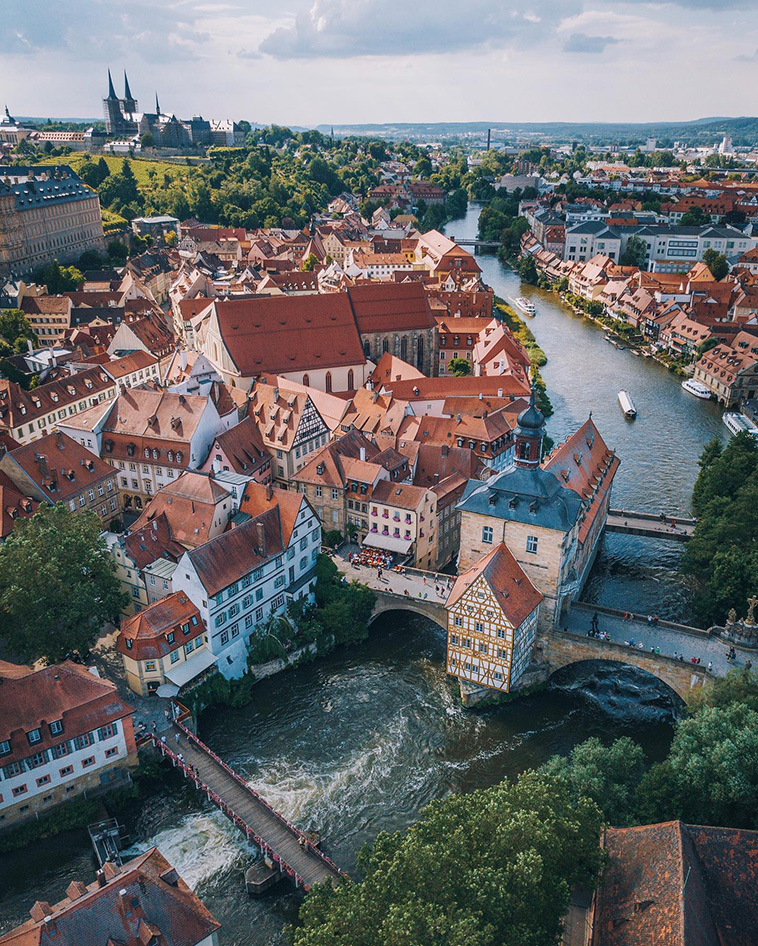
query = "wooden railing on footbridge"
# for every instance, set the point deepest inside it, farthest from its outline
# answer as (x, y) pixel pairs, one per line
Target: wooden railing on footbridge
(283, 842)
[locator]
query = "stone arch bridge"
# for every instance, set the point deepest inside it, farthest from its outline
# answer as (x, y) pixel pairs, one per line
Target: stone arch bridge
(557, 649)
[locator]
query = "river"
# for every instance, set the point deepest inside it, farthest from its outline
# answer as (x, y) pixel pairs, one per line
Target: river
(359, 741)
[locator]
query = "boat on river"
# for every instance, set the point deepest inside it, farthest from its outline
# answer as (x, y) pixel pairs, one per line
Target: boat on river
(627, 405)
(697, 388)
(614, 341)
(525, 306)
(739, 423)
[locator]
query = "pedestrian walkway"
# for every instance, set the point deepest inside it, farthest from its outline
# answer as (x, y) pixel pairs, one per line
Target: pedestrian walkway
(668, 641)
(428, 586)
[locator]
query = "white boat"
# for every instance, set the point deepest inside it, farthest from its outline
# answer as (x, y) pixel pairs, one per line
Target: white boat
(627, 405)
(525, 305)
(697, 388)
(739, 423)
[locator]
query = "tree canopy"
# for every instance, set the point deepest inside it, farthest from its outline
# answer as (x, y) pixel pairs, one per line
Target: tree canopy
(492, 867)
(722, 554)
(57, 584)
(717, 263)
(459, 367)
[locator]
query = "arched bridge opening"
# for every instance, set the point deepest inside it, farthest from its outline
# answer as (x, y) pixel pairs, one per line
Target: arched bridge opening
(432, 610)
(685, 679)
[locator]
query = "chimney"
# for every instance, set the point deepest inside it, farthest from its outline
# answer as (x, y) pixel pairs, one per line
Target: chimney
(363, 454)
(183, 359)
(100, 877)
(499, 392)
(261, 534)
(269, 493)
(276, 395)
(40, 910)
(481, 396)
(30, 346)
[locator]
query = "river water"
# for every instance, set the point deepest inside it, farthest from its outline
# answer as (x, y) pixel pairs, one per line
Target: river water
(359, 741)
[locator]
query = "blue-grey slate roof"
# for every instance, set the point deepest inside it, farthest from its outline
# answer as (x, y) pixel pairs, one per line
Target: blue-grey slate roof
(523, 495)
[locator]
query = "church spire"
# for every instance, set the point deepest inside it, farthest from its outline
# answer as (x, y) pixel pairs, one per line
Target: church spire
(127, 90)
(157, 105)
(111, 90)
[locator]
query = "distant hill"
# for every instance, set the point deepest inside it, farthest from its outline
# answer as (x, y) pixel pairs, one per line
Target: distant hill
(744, 131)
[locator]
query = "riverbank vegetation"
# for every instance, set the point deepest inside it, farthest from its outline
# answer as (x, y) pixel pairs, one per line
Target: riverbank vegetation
(722, 555)
(340, 615)
(537, 357)
(497, 866)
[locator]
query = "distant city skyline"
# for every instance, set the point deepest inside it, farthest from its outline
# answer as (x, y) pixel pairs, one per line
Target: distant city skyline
(350, 61)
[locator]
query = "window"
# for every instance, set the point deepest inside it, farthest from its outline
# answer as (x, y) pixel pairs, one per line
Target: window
(500, 633)
(258, 594)
(19, 790)
(454, 639)
(43, 780)
(224, 638)
(487, 534)
(328, 382)
(248, 620)
(531, 544)
(259, 614)
(33, 736)
(478, 627)
(90, 760)
(5, 747)
(174, 656)
(502, 653)
(56, 727)
(235, 630)
(483, 648)
(458, 621)
(67, 770)
(149, 666)
(109, 753)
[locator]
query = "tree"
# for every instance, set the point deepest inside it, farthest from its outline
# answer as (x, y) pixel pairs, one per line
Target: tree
(15, 329)
(527, 269)
(608, 775)
(57, 584)
(635, 253)
(309, 264)
(147, 140)
(459, 367)
(711, 773)
(717, 263)
(695, 217)
(58, 278)
(491, 867)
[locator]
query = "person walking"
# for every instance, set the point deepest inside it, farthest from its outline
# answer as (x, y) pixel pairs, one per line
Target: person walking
(710, 666)
(178, 737)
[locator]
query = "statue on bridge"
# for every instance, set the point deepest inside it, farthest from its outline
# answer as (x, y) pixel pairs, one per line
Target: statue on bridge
(743, 631)
(750, 619)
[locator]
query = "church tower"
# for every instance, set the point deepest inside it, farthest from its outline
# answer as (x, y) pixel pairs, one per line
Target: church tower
(112, 109)
(530, 429)
(130, 103)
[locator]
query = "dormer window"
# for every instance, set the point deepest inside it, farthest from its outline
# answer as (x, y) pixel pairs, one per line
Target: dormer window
(171, 456)
(147, 453)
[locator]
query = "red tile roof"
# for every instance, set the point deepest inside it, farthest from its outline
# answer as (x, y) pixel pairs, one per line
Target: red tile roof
(281, 334)
(56, 465)
(390, 307)
(148, 629)
(510, 584)
(678, 885)
(67, 692)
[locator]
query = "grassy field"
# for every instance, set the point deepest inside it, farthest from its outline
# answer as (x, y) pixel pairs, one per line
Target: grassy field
(140, 167)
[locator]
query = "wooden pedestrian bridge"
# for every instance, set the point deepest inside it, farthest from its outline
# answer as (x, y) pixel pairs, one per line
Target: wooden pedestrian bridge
(663, 526)
(281, 841)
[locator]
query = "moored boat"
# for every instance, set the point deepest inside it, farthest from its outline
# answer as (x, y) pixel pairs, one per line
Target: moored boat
(697, 388)
(627, 405)
(739, 423)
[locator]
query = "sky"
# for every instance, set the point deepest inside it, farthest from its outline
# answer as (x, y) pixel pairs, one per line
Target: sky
(308, 62)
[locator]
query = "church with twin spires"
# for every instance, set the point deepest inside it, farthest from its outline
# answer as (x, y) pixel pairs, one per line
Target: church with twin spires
(123, 120)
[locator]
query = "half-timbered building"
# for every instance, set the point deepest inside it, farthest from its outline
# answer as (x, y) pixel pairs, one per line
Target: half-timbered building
(492, 622)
